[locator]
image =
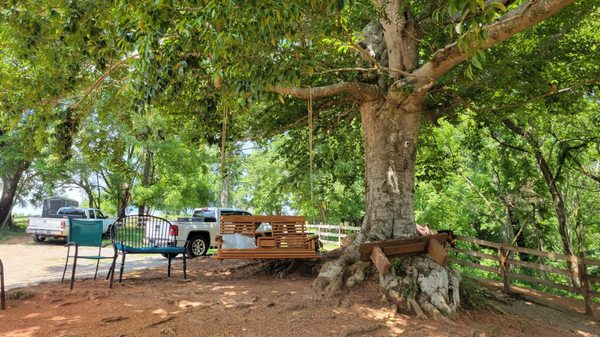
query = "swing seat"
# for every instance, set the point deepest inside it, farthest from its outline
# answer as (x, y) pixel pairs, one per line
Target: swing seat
(288, 238)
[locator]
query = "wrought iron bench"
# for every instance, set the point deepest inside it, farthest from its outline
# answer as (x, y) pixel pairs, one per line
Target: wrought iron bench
(287, 238)
(146, 234)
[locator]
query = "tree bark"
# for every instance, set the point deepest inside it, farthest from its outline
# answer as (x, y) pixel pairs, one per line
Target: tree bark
(89, 193)
(123, 200)
(146, 177)
(390, 141)
(10, 184)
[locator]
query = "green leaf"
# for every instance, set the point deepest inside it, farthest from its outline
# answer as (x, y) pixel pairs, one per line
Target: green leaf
(498, 5)
(481, 4)
(476, 62)
(459, 28)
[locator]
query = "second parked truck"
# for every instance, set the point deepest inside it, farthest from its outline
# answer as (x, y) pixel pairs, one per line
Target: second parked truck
(57, 225)
(201, 229)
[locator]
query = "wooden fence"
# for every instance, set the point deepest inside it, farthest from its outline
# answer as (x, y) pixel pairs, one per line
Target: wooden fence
(332, 233)
(575, 271)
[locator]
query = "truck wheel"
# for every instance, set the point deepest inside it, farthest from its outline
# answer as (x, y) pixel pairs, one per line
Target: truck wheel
(166, 255)
(38, 238)
(198, 246)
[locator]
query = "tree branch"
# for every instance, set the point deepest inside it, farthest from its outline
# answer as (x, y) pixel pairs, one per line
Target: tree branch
(508, 25)
(507, 144)
(362, 91)
(588, 173)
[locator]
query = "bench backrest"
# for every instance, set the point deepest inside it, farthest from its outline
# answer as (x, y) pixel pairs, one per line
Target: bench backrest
(140, 231)
(287, 231)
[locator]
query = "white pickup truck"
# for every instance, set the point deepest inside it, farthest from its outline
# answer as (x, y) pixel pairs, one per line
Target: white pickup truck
(57, 226)
(202, 228)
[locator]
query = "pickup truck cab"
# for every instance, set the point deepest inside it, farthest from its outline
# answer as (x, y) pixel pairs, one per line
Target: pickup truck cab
(202, 228)
(57, 226)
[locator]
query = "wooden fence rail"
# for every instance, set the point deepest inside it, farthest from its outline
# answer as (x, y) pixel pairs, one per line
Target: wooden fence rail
(332, 233)
(505, 258)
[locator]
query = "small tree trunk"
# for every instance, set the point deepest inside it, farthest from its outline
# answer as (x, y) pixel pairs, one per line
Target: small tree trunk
(147, 177)
(90, 195)
(10, 182)
(124, 201)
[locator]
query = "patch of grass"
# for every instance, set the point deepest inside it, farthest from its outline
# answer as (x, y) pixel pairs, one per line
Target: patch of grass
(398, 266)
(19, 295)
(16, 231)
(473, 297)
(330, 246)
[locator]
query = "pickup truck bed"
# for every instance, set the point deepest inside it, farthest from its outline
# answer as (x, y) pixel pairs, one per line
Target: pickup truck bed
(57, 226)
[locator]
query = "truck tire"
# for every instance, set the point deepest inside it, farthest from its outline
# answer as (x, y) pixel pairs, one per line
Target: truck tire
(38, 238)
(198, 246)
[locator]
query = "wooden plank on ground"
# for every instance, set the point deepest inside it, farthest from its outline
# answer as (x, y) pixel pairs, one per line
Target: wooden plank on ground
(380, 261)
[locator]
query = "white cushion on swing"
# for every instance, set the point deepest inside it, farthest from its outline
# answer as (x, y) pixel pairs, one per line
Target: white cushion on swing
(238, 241)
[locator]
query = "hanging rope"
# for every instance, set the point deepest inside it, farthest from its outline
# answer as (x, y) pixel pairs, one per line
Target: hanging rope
(223, 137)
(310, 148)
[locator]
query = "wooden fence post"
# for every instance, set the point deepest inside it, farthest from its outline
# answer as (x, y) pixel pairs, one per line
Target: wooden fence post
(504, 268)
(319, 231)
(585, 284)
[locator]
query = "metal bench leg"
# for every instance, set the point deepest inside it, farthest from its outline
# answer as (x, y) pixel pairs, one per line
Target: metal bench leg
(2, 297)
(111, 271)
(98, 262)
(96, 273)
(122, 267)
(169, 270)
(66, 263)
(74, 266)
(184, 267)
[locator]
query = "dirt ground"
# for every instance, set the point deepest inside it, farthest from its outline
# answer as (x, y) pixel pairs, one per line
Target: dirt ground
(230, 299)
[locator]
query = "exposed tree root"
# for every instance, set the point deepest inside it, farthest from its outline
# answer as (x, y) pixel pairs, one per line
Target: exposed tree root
(416, 283)
(282, 268)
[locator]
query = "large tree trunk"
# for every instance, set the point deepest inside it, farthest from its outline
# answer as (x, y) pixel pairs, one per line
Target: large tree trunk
(390, 138)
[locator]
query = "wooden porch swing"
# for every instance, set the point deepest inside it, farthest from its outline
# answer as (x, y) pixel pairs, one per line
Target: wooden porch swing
(267, 236)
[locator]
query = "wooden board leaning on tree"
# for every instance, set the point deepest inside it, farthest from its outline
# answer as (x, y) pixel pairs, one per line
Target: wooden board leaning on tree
(379, 251)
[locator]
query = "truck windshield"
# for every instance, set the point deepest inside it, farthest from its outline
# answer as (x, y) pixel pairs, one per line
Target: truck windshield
(209, 215)
(72, 211)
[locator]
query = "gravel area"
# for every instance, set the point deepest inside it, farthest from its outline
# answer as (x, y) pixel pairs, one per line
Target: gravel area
(27, 263)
